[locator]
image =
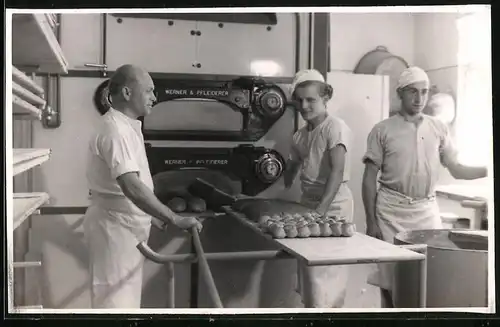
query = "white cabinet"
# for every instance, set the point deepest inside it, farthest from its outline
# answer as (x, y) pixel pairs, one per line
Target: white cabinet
(196, 47)
(361, 101)
(247, 49)
(150, 43)
(86, 48)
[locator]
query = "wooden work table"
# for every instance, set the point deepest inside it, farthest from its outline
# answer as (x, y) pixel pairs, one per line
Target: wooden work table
(317, 251)
(358, 249)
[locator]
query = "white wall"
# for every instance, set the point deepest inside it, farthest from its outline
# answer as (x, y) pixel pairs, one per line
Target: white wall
(436, 49)
(352, 35)
(436, 40)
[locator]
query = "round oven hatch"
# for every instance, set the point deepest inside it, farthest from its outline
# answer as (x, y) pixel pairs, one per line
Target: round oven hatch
(270, 103)
(268, 168)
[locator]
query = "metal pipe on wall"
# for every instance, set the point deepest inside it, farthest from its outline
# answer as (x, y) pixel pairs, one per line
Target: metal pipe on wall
(296, 116)
(104, 39)
(52, 114)
(321, 42)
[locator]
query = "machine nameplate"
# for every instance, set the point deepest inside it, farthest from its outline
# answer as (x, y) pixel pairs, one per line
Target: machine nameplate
(196, 162)
(197, 92)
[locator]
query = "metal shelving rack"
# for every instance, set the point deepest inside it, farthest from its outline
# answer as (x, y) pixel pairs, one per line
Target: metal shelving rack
(35, 49)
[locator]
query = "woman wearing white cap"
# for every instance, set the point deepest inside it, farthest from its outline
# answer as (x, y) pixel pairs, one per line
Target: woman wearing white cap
(320, 151)
(408, 150)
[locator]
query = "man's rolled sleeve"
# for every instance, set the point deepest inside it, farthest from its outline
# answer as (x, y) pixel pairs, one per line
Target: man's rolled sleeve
(338, 135)
(447, 150)
(374, 148)
(117, 153)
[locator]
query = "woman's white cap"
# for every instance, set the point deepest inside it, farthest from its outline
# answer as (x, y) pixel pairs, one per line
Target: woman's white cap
(412, 75)
(306, 75)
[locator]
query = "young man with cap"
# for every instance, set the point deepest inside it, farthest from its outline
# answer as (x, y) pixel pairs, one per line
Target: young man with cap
(408, 150)
(320, 151)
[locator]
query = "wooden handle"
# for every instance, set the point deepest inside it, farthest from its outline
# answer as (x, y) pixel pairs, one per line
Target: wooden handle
(469, 236)
(205, 270)
(474, 204)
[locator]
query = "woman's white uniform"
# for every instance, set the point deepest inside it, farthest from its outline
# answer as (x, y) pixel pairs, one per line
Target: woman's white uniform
(323, 286)
(113, 224)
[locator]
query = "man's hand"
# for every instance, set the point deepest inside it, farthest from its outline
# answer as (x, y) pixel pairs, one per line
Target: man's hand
(373, 230)
(160, 224)
(187, 223)
(322, 210)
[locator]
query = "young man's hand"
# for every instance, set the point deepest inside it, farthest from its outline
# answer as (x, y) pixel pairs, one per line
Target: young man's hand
(373, 230)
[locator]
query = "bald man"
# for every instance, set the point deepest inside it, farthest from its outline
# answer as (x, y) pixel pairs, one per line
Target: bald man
(408, 150)
(122, 193)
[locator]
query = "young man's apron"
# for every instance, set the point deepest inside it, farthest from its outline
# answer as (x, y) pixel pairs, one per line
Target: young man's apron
(323, 286)
(398, 213)
(326, 286)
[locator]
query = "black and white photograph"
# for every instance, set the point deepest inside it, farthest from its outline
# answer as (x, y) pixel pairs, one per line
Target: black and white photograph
(249, 160)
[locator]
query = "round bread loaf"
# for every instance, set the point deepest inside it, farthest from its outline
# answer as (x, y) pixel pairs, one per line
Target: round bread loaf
(196, 204)
(291, 231)
(314, 229)
(336, 229)
(348, 229)
(325, 229)
(278, 231)
(303, 232)
(177, 204)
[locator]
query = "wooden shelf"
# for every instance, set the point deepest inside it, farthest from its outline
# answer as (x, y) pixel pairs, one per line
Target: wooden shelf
(24, 159)
(28, 96)
(25, 204)
(29, 307)
(52, 20)
(33, 264)
(35, 45)
(23, 108)
(26, 82)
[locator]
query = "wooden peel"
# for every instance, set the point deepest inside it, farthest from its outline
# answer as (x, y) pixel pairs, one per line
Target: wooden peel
(205, 270)
(214, 197)
(469, 236)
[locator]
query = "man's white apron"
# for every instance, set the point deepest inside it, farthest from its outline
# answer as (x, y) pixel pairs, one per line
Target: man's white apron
(113, 229)
(397, 213)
